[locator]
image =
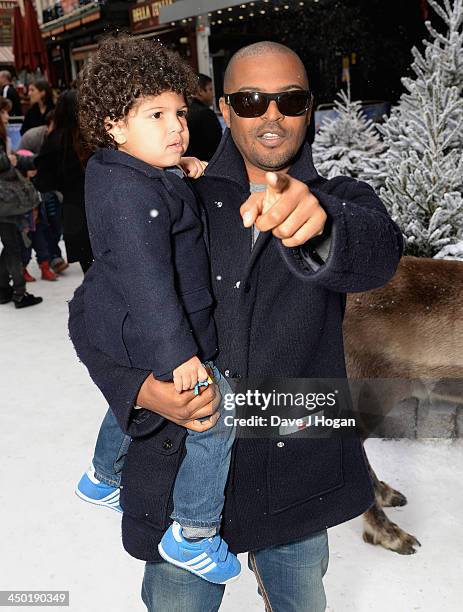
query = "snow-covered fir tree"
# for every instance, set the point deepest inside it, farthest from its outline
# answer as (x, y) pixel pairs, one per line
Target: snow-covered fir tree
(423, 161)
(348, 144)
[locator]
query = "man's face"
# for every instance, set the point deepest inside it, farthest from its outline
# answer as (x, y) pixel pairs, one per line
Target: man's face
(206, 95)
(3, 80)
(271, 141)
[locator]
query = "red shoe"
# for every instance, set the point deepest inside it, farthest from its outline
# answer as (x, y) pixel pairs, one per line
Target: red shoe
(27, 277)
(47, 273)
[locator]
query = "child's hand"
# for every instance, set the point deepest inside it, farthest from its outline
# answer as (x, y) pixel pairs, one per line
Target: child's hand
(193, 167)
(188, 374)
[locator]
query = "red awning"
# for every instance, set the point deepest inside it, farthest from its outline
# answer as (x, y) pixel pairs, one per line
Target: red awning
(18, 38)
(31, 49)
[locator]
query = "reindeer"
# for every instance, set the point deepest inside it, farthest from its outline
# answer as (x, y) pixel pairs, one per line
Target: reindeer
(409, 336)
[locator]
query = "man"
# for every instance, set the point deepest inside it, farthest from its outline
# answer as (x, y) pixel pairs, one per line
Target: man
(280, 303)
(9, 91)
(205, 129)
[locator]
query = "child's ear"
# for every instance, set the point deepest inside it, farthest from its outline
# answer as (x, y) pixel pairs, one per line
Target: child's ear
(116, 129)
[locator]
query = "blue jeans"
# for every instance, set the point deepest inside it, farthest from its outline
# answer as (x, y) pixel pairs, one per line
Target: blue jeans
(39, 242)
(200, 483)
(289, 578)
(110, 451)
(199, 491)
(54, 229)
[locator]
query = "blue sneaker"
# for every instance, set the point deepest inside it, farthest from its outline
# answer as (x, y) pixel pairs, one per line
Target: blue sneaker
(208, 558)
(92, 490)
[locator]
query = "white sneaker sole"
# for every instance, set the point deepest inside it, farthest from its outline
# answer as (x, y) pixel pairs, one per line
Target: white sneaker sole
(96, 502)
(166, 557)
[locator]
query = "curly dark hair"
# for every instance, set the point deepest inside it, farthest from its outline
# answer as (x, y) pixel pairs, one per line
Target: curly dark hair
(121, 71)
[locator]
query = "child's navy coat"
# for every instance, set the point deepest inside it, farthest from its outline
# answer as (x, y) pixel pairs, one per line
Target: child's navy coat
(148, 300)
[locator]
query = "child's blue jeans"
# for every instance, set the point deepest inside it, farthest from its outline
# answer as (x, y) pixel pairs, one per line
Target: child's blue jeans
(200, 483)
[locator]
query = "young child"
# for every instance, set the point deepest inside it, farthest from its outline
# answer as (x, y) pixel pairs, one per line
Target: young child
(147, 295)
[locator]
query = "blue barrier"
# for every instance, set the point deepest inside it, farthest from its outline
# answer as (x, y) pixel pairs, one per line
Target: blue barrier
(14, 134)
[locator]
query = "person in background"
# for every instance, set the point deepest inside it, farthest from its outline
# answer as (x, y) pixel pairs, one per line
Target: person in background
(41, 97)
(9, 91)
(35, 237)
(60, 167)
(33, 141)
(16, 199)
(205, 129)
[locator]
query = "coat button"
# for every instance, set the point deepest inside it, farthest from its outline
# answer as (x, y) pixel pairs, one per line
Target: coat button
(247, 287)
(167, 444)
(280, 444)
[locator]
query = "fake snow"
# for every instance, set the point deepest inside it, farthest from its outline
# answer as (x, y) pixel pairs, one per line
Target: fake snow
(52, 540)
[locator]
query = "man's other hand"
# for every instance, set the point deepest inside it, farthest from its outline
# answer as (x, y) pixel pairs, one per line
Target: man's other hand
(182, 408)
(287, 208)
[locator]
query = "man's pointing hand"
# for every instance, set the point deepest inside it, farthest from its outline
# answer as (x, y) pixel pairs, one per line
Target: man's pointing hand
(287, 208)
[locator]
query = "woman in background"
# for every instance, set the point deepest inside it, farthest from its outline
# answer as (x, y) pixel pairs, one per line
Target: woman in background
(41, 97)
(60, 167)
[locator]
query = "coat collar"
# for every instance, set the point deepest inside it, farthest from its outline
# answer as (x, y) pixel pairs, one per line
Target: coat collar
(228, 163)
(111, 156)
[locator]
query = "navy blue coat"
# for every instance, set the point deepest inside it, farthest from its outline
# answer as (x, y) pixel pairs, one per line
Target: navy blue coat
(283, 319)
(148, 301)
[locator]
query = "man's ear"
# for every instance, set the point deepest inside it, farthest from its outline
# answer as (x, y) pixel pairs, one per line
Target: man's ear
(310, 111)
(225, 110)
(117, 130)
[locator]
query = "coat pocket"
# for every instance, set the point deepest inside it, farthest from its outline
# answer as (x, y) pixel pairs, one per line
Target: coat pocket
(194, 301)
(301, 469)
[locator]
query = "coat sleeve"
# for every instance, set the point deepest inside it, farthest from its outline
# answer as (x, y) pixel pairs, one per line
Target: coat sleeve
(365, 245)
(139, 235)
(119, 385)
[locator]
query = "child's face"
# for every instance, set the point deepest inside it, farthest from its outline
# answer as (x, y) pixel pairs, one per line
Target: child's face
(155, 130)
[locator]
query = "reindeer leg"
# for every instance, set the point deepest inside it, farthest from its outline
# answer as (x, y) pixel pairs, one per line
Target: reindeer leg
(378, 529)
(385, 495)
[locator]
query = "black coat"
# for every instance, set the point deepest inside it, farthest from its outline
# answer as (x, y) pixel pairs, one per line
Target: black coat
(148, 300)
(13, 96)
(283, 320)
(34, 117)
(205, 131)
(59, 169)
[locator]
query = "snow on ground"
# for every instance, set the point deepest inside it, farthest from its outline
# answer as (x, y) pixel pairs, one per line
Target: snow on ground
(49, 417)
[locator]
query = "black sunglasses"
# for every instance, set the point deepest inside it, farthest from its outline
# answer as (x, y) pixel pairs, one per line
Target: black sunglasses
(250, 104)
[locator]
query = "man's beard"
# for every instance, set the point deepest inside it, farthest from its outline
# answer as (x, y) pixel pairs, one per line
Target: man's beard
(272, 160)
